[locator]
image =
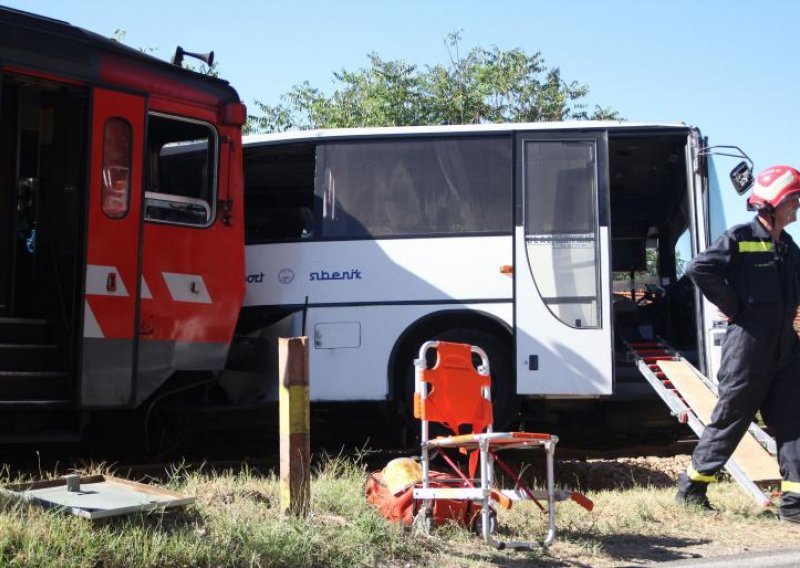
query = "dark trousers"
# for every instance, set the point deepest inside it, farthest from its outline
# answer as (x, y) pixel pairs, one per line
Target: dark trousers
(760, 370)
(782, 413)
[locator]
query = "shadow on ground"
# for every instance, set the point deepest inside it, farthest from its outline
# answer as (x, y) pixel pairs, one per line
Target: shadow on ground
(628, 550)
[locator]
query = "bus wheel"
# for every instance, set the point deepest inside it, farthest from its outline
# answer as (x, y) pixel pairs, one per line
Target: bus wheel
(504, 400)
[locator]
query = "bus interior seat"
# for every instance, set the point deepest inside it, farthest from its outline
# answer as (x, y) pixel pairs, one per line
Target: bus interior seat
(281, 224)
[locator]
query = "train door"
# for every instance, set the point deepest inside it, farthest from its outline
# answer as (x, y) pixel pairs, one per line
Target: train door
(42, 166)
(43, 141)
(193, 252)
(562, 279)
(112, 249)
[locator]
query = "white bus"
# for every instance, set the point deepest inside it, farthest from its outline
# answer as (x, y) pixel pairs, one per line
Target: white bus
(525, 239)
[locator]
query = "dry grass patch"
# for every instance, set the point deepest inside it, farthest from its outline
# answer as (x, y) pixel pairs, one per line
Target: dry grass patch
(236, 522)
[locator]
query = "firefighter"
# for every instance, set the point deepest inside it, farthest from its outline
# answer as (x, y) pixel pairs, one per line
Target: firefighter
(752, 274)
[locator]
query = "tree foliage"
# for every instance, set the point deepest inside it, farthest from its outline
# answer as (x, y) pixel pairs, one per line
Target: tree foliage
(481, 86)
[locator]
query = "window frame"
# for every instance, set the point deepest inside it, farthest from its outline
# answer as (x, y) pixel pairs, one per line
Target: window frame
(598, 199)
(211, 205)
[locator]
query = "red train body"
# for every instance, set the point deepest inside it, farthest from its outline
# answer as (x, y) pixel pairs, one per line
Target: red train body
(122, 250)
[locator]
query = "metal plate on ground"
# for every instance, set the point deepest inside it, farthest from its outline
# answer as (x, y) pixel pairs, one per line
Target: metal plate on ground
(97, 496)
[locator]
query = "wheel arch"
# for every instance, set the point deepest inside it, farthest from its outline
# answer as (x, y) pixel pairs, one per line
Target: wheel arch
(437, 322)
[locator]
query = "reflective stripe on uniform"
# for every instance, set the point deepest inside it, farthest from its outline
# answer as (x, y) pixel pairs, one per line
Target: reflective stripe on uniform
(756, 246)
(790, 486)
(695, 475)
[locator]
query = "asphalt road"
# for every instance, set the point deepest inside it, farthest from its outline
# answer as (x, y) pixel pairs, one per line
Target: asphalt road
(784, 557)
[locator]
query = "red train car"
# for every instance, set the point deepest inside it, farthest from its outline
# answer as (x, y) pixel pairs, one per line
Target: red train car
(122, 246)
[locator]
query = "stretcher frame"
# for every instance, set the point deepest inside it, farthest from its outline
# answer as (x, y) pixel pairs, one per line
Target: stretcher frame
(488, 444)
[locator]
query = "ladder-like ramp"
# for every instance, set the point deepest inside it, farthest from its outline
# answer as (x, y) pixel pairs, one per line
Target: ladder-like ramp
(691, 397)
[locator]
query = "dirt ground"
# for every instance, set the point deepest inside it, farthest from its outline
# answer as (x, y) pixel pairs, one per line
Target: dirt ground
(671, 533)
(621, 473)
(635, 521)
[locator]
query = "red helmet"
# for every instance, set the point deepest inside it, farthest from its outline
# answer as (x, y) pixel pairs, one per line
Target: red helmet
(772, 186)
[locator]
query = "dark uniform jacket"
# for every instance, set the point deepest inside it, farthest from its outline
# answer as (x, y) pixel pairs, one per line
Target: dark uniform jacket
(747, 276)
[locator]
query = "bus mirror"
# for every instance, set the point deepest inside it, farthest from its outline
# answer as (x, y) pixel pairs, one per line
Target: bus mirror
(742, 177)
(742, 174)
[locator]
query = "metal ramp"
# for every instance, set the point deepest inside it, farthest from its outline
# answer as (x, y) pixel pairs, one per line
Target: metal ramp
(691, 397)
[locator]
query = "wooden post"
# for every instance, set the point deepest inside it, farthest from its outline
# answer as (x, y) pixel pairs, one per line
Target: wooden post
(295, 425)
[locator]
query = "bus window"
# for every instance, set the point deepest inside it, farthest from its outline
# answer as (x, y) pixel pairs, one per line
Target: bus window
(715, 208)
(683, 253)
(182, 171)
(415, 187)
(279, 193)
(561, 227)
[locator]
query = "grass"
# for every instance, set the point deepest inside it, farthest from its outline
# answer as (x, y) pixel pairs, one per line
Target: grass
(236, 522)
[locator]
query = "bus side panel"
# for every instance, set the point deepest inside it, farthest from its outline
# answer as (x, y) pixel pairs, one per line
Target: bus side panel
(403, 270)
(350, 346)
(402, 280)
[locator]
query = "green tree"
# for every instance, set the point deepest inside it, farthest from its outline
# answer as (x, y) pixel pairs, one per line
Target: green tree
(481, 86)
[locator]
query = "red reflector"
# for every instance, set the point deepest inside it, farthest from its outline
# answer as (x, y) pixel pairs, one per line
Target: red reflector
(655, 360)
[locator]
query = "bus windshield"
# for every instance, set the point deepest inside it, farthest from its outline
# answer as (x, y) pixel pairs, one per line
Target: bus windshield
(716, 211)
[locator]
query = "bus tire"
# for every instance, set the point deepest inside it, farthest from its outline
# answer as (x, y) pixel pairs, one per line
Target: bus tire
(505, 403)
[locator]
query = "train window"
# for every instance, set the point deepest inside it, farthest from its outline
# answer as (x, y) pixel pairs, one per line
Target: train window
(116, 193)
(182, 171)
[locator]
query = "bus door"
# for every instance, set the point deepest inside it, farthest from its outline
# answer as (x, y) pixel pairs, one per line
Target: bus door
(112, 248)
(562, 275)
(709, 223)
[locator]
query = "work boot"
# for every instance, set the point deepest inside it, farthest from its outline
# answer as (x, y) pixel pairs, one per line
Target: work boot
(692, 493)
(694, 500)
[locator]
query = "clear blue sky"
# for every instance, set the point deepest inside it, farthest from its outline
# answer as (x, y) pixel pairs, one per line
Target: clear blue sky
(729, 67)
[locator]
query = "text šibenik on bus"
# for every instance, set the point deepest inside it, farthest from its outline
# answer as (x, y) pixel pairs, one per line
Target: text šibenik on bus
(549, 245)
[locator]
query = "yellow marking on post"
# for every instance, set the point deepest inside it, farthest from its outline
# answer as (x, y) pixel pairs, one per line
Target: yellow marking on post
(756, 246)
(294, 424)
(294, 404)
